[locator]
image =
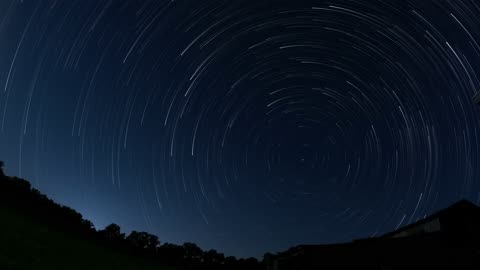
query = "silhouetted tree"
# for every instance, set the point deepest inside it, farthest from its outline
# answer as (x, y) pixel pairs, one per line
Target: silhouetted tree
(212, 257)
(267, 259)
(17, 193)
(219, 258)
(230, 261)
(87, 225)
(112, 232)
(252, 262)
(192, 252)
(143, 240)
(20, 186)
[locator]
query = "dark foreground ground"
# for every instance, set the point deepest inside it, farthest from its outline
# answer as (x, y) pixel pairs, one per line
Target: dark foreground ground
(29, 244)
(37, 233)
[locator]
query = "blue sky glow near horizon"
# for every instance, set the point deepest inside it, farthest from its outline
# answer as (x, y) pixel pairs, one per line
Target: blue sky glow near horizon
(243, 126)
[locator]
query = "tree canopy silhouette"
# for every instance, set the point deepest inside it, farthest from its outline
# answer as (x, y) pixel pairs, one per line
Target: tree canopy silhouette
(18, 195)
(112, 232)
(143, 240)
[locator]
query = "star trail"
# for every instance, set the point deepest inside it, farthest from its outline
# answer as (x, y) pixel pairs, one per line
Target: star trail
(244, 126)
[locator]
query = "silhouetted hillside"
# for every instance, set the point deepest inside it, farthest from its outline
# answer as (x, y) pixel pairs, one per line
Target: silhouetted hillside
(37, 233)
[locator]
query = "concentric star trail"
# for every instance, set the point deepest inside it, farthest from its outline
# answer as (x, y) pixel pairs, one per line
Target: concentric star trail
(244, 126)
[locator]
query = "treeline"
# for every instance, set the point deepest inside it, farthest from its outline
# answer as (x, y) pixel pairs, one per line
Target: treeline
(17, 194)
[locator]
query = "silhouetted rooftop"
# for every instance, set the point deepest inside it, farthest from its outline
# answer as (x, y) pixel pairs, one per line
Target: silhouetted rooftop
(445, 239)
(456, 215)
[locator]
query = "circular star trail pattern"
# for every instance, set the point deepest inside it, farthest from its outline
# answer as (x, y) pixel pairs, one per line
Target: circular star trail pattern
(244, 126)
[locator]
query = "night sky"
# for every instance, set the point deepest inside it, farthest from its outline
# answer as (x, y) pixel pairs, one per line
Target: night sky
(245, 126)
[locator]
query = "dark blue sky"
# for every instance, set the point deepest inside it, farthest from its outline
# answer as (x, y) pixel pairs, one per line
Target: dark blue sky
(243, 126)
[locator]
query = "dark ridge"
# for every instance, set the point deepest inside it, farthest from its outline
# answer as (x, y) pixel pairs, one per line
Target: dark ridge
(37, 233)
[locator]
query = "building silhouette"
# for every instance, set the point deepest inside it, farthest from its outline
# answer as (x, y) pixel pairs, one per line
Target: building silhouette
(448, 239)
